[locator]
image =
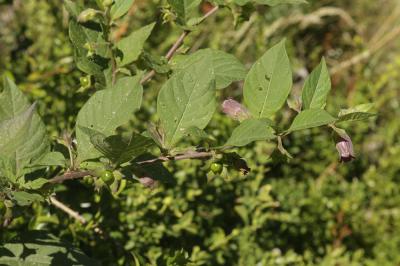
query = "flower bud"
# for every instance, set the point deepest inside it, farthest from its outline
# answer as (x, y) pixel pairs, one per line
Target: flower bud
(345, 149)
(235, 110)
(107, 3)
(87, 15)
(148, 182)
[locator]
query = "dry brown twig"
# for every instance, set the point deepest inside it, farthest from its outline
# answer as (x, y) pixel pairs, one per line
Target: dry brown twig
(309, 19)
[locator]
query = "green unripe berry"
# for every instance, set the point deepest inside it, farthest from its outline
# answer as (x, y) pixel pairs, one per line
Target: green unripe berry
(107, 176)
(85, 82)
(216, 168)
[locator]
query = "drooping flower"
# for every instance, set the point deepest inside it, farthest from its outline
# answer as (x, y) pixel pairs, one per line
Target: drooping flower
(345, 149)
(235, 110)
(148, 182)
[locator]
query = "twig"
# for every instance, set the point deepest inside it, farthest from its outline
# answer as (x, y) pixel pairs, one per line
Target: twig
(67, 210)
(69, 176)
(309, 19)
(177, 44)
(386, 25)
(367, 53)
(189, 155)
(72, 213)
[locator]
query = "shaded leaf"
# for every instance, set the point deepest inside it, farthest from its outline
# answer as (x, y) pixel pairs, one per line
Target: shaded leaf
(23, 198)
(268, 83)
(35, 184)
(23, 138)
(120, 149)
(40, 248)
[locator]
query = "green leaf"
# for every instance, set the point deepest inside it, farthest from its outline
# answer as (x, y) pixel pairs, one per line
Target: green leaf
(23, 138)
(132, 45)
(120, 149)
(40, 249)
(184, 9)
(251, 130)
(226, 67)
(35, 184)
(279, 2)
(311, 118)
(316, 88)
(268, 83)
(357, 113)
(105, 111)
(73, 8)
(23, 198)
(187, 100)
(51, 159)
(120, 8)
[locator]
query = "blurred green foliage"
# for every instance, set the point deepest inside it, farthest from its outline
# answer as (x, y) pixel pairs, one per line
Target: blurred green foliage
(311, 210)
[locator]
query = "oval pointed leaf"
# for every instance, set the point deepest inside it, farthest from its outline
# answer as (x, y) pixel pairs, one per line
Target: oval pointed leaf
(316, 88)
(184, 9)
(120, 8)
(105, 111)
(251, 130)
(311, 118)
(226, 67)
(132, 45)
(187, 100)
(23, 138)
(268, 83)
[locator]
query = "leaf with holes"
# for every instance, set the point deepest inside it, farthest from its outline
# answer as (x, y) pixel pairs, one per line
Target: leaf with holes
(105, 111)
(187, 100)
(268, 83)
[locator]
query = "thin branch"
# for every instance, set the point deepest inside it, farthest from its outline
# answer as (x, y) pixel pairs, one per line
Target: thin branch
(69, 176)
(189, 155)
(177, 44)
(72, 213)
(67, 210)
(385, 40)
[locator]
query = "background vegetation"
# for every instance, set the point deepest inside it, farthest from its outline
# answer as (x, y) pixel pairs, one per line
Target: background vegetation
(311, 210)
